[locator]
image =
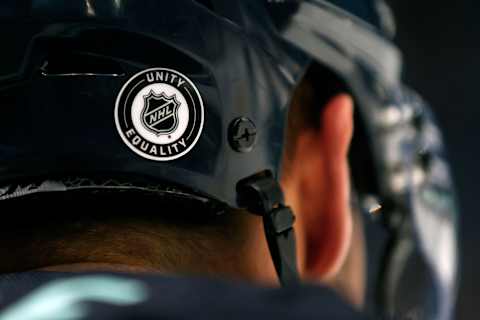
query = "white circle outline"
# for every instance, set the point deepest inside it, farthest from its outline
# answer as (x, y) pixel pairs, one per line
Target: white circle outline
(127, 142)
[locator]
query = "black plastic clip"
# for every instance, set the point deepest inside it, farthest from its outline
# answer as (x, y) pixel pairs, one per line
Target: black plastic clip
(262, 195)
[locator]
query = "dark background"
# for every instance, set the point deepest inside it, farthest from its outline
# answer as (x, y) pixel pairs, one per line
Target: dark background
(441, 44)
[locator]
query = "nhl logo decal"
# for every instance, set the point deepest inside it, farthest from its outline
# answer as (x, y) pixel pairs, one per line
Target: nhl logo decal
(159, 114)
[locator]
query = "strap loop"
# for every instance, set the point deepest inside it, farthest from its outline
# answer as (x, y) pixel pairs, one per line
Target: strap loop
(262, 195)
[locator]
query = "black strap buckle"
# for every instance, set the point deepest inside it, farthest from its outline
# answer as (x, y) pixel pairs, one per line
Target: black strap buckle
(262, 195)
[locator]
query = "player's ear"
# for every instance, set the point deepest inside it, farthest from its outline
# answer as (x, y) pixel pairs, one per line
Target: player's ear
(318, 187)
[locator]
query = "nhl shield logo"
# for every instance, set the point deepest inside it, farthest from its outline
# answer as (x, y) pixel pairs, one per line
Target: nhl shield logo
(160, 113)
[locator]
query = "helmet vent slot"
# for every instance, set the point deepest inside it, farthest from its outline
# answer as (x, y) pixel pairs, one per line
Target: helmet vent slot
(80, 64)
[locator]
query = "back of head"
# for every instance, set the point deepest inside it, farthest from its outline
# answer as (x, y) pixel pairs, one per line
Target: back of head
(191, 137)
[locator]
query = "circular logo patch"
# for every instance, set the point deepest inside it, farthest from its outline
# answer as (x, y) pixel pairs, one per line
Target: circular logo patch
(159, 114)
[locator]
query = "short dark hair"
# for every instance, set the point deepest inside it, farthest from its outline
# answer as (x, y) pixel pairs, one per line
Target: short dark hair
(42, 229)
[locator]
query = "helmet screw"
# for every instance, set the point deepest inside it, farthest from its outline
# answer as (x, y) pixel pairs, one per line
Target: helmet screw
(242, 134)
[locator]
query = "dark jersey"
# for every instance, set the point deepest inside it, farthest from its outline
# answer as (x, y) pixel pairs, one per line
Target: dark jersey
(48, 295)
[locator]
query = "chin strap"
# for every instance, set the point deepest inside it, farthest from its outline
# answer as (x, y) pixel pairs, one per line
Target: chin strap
(262, 195)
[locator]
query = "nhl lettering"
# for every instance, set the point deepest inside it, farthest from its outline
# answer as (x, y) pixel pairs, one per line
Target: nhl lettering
(160, 113)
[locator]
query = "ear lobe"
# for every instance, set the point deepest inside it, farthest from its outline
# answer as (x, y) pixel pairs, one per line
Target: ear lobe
(323, 190)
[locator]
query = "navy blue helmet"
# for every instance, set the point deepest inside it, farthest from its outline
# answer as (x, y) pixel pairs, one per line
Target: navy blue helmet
(189, 99)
